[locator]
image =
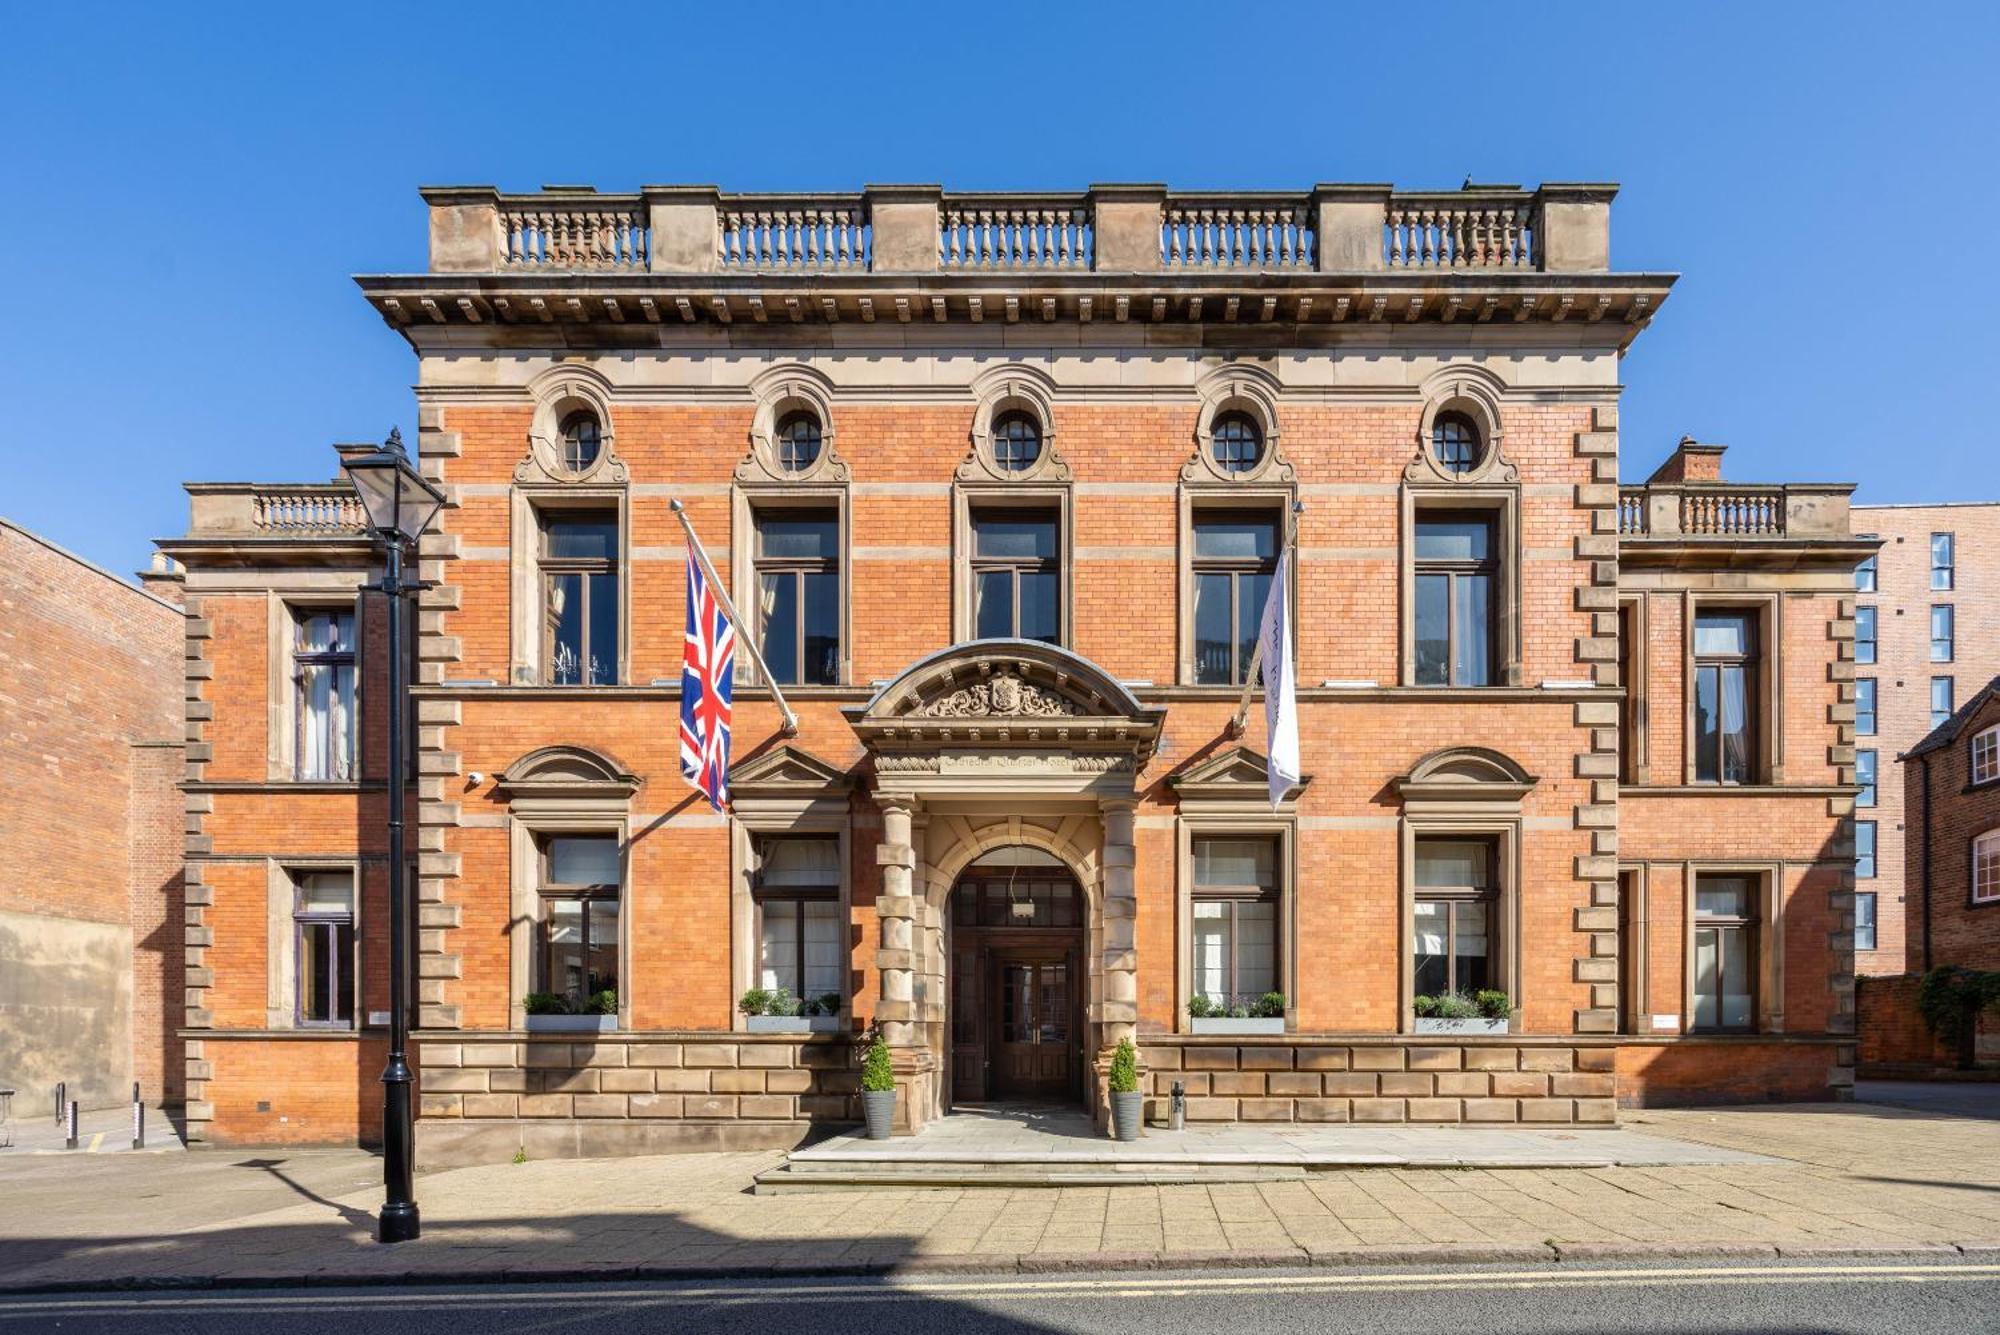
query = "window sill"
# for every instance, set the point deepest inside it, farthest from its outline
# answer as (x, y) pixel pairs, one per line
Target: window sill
(1222, 1024)
(794, 1024)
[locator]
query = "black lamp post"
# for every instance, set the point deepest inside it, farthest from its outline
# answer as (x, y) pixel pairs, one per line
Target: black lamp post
(399, 505)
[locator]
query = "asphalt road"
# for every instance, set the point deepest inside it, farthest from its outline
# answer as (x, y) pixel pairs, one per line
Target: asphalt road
(1930, 1298)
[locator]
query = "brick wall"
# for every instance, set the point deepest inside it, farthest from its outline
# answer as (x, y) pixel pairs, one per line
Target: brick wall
(1961, 932)
(90, 676)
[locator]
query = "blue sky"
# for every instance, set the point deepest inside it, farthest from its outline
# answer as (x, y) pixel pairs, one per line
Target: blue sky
(188, 189)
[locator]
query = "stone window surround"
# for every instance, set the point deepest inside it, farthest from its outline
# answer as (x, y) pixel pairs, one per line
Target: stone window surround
(559, 393)
(281, 965)
(1634, 1014)
(530, 505)
(562, 790)
(1197, 822)
(1633, 623)
(1505, 832)
(1770, 699)
(284, 607)
(747, 501)
(969, 496)
(809, 816)
(1451, 794)
(1768, 879)
(1193, 500)
(1502, 503)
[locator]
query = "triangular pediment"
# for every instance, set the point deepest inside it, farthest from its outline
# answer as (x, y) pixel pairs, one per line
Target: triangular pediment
(788, 769)
(1234, 774)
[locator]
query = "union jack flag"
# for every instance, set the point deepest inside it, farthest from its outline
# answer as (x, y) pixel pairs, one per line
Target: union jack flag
(708, 662)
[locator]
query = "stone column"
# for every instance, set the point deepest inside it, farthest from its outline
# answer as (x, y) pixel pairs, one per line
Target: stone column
(1118, 1008)
(896, 906)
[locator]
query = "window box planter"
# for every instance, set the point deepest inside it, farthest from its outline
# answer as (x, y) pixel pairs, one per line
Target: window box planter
(792, 1024)
(1221, 1024)
(1431, 1024)
(572, 1024)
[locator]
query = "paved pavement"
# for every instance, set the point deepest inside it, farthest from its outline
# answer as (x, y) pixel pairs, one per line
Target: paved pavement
(1043, 1136)
(1849, 1177)
(33, 1130)
(1920, 1298)
(1960, 1098)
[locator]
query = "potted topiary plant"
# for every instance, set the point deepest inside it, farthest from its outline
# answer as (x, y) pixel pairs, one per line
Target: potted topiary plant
(878, 1090)
(1127, 1103)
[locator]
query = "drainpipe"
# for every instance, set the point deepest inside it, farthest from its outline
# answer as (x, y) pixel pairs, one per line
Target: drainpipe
(1925, 763)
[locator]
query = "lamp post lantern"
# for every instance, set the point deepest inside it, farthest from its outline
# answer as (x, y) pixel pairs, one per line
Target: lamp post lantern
(399, 505)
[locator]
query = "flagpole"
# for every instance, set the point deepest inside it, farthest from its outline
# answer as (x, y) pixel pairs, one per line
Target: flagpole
(791, 720)
(1242, 714)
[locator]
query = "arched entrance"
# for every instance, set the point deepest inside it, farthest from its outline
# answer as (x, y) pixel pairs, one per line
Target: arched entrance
(1016, 928)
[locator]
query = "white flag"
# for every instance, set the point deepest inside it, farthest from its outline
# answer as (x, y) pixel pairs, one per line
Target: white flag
(1281, 703)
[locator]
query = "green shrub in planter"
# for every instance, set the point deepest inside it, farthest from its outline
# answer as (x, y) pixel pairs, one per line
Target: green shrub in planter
(829, 1003)
(1200, 1007)
(1425, 1007)
(755, 1002)
(1447, 1006)
(877, 1076)
(603, 1003)
(782, 1002)
(1493, 1004)
(1125, 1068)
(1270, 1006)
(544, 1003)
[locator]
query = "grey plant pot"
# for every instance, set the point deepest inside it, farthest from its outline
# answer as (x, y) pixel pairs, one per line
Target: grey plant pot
(1128, 1112)
(878, 1106)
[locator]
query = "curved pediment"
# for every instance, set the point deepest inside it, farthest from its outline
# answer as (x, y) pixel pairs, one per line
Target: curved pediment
(566, 771)
(1466, 773)
(1008, 692)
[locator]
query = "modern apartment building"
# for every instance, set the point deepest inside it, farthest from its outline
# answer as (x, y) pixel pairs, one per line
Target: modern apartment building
(1000, 483)
(1927, 637)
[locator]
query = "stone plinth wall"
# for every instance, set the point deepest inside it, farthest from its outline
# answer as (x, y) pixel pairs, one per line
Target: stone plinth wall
(484, 1096)
(1389, 1079)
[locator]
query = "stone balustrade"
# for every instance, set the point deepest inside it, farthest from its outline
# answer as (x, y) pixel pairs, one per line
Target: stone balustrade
(1224, 232)
(553, 231)
(329, 509)
(1734, 511)
(817, 232)
(1015, 232)
(1108, 229)
(1472, 229)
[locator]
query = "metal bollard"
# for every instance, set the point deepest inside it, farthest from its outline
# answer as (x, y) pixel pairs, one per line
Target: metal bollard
(1177, 1110)
(138, 1119)
(72, 1125)
(62, 1099)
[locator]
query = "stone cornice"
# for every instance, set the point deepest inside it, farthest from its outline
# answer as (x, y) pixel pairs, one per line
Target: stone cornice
(627, 309)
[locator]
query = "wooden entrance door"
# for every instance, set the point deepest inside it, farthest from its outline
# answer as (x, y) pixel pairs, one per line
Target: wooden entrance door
(1033, 1038)
(1016, 984)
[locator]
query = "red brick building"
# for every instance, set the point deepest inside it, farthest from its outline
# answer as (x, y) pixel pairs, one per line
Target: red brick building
(90, 755)
(1000, 483)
